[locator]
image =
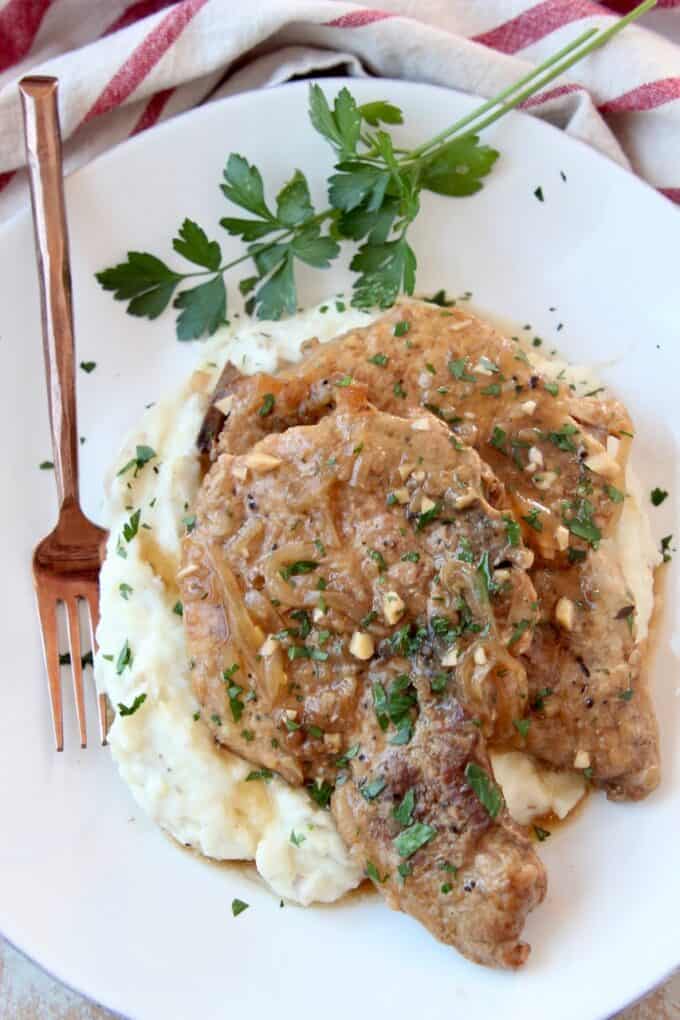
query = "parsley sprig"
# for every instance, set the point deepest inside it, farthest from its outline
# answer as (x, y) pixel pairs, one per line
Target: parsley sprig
(374, 197)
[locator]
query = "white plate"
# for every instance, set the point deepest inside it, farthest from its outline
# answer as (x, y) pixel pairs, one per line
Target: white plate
(92, 889)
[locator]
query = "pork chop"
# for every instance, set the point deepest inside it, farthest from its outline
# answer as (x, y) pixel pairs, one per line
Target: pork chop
(354, 608)
(560, 480)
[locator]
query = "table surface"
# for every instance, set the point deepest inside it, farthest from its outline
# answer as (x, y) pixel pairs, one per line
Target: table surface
(27, 993)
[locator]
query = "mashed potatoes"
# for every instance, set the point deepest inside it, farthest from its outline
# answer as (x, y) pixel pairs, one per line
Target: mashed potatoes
(201, 794)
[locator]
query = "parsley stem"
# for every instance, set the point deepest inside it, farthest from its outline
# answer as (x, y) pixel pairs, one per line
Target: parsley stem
(490, 103)
(319, 218)
(587, 43)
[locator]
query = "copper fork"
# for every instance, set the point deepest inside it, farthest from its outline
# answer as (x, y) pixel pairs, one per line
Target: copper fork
(66, 563)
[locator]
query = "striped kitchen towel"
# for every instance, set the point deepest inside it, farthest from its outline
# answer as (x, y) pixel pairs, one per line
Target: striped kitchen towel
(124, 66)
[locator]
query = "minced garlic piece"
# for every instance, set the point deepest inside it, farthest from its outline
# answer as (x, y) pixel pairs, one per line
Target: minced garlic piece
(479, 656)
(565, 613)
(426, 504)
(224, 405)
(451, 657)
(582, 760)
(262, 462)
(362, 645)
(393, 606)
(562, 537)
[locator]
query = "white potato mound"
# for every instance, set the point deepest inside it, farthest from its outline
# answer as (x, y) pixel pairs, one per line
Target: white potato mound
(196, 790)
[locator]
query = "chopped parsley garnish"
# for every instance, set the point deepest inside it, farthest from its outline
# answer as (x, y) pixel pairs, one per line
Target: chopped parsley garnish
(178, 609)
(350, 753)
(46, 465)
(267, 406)
(494, 390)
(533, 519)
(302, 617)
(576, 555)
(486, 790)
(512, 530)
(522, 726)
(403, 734)
(305, 652)
(562, 438)
(440, 298)
(297, 568)
(520, 627)
(410, 557)
(450, 869)
(430, 368)
(216, 719)
(368, 619)
(248, 736)
(405, 869)
(614, 494)
(498, 437)
(131, 709)
(124, 660)
(372, 873)
(373, 789)
(320, 792)
(227, 674)
(582, 524)
(378, 559)
(398, 389)
(260, 774)
(234, 693)
(378, 359)
(666, 548)
(484, 577)
(428, 516)
(143, 454)
(315, 731)
(412, 839)
(438, 682)
(297, 839)
(88, 366)
(538, 193)
(626, 695)
(345, 380)
(657, 496)
(541, 834)
(552, 387)
(403, 812)
(238, 906)
(458, 371)
(189, 522)
(446, 888)
(539, 701)
(401, 328)
(125, 590)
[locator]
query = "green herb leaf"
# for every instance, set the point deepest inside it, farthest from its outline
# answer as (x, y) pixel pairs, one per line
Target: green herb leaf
(297, 839)
(193, 244)
(412, 839)
(145, 281)
(320, 792)
(657, 496)
(384, 271)
(243, 186)
(203, 309)
(88, 366)
(458, 370)
(541, 834)
(403, 812)
(125, 590)
(522, 726)
(373, 789)
(131, 709)
(124, 660)
(238, 906)
(381, 112)
(297, 568)
(519, 628)
(373, 874)
(131, 527)
(486, 790)
(615, 494)
(512, 530)
(458, 166)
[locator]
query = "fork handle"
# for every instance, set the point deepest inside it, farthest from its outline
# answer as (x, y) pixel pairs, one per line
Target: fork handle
(44, 156)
